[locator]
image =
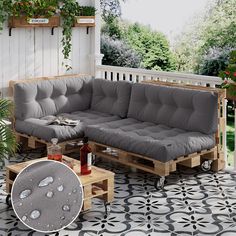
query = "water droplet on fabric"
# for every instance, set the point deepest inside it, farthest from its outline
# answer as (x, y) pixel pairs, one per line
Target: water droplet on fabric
(25, 193)
(49, 194)
(66, 208)
(46, 181)
(60, 188)
(35, 214)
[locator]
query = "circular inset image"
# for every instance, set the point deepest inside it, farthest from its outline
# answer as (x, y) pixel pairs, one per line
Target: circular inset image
(47, 196)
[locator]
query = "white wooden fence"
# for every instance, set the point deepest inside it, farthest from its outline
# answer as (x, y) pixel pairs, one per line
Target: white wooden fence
(30, 53)
(115, 73)
(136, 75)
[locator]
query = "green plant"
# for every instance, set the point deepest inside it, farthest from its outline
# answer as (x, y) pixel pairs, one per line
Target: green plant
(34, 8)
(87, 11)
(69, 10)
(7, 138)
(229, 74)
(5, 9)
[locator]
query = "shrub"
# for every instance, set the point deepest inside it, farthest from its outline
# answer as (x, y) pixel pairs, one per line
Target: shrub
(214, 61)
(118, 53)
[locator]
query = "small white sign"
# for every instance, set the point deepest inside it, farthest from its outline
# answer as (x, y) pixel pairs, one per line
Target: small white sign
(38, 21)
(85, 20)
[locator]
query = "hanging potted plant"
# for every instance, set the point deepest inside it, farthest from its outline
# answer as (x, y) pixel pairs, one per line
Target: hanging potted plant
(69, 9)
(7, 138)
(34, 13)
(229, 77)
(86, 16)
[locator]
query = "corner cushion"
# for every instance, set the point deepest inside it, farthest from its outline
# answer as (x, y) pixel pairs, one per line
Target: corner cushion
(111, 97)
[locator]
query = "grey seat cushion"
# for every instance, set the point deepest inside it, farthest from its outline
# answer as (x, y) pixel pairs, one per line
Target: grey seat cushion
(174, 107)
(38, 127)
(51, 97)
(111, 97)
(159, 142)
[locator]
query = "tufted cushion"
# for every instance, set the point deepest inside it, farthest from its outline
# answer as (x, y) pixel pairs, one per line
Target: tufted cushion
(159, 142)
(175, 107)
(39, 128)
(42, 98)
(111, 97)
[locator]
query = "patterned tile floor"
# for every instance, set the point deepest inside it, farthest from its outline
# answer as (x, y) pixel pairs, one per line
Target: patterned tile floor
(192, 203)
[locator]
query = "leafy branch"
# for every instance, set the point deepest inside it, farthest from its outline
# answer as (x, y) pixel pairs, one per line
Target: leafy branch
(7, 138)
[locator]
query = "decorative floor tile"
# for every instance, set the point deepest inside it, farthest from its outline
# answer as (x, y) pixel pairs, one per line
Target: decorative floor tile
(110, 224)
(142, 231)
(229, 232)
(192, 203)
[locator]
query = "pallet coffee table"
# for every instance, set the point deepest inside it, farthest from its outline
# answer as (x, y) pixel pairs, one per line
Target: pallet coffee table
(98, 184)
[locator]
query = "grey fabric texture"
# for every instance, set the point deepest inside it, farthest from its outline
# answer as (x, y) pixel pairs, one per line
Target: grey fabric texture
(39, 128)
(52, 215)
(111, 97)
(51, 97)
(174, 107)
(159, 142)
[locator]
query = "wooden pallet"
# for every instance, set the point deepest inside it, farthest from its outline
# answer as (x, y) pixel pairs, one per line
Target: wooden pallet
(154, 166)
(33, 142)
(98, 184)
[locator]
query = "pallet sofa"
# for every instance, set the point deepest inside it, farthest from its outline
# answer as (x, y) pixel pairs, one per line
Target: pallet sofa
(151, 126)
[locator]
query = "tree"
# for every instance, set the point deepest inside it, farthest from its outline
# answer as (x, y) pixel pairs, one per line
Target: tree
(219, 28)
(152, 46)
(112, 28)
(110, 9)
(205, 44)
(134, 40)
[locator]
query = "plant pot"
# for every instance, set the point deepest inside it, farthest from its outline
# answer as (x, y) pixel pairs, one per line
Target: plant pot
(26, 22)
(84, 21)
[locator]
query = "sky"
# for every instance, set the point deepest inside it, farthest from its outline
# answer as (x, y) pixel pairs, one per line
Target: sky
(167, 16)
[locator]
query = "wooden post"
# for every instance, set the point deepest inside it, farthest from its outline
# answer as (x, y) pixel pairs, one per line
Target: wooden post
(234, 164)
(224, 132)
(87, 197)
(97, 56)
(108, 185)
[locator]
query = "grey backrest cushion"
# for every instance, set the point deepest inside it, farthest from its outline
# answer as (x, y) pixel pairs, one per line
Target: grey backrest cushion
(111, 97)
(50, 97)
(175, 107)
